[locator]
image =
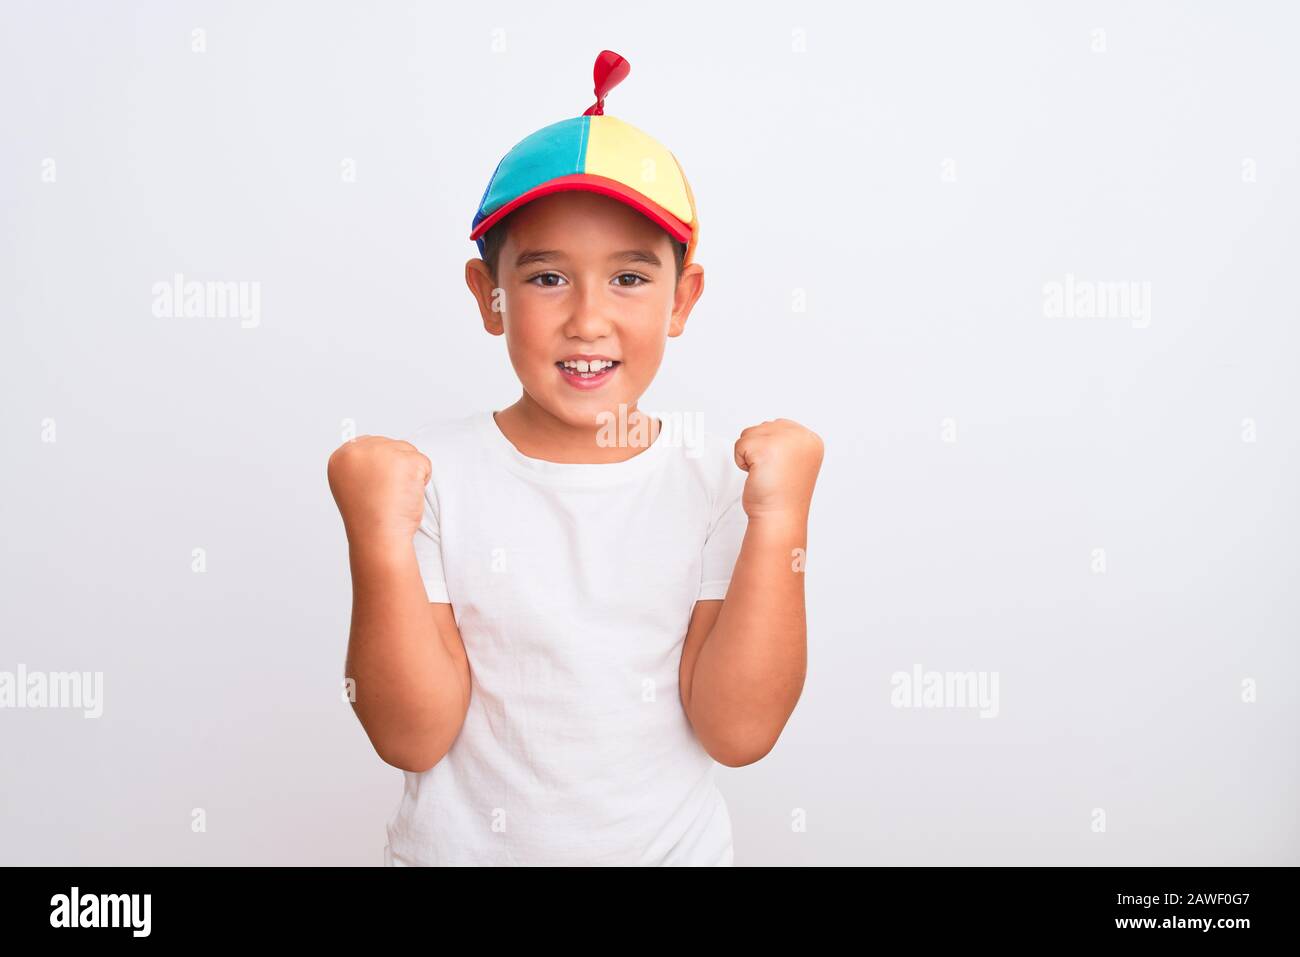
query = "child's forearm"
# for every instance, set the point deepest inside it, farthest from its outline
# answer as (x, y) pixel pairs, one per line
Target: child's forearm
(411, 694)
(751, 667)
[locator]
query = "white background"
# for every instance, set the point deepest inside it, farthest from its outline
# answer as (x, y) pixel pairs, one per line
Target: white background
(816, 138)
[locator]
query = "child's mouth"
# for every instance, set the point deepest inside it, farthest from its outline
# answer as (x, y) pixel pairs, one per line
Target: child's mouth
(596, 373)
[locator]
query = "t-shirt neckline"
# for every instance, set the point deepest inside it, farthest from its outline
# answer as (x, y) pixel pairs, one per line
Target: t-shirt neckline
(570, 473)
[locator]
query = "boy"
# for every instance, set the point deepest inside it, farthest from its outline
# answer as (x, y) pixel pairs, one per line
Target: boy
(561, 617)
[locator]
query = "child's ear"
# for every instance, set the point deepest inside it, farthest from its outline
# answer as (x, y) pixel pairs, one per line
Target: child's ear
(490, 297)
(690, 286)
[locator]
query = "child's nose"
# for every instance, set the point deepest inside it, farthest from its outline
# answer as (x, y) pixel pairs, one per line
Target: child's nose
(592, 316)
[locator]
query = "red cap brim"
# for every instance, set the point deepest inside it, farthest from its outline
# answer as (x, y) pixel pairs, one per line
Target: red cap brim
(591, 183)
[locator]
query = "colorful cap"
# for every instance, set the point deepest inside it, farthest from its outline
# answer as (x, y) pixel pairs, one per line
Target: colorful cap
(598, 154)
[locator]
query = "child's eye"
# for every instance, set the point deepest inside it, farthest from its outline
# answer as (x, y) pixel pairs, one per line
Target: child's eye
(638, 279)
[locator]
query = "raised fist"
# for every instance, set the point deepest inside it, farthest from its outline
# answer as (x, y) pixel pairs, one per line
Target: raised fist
(782, 459)
(378, 484)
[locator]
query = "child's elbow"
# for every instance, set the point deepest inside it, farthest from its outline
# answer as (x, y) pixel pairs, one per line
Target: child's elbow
(739, 754)
(410, 757)
(416, 764)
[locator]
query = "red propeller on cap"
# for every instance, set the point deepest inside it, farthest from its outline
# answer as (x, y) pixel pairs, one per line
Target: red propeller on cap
(610, 70)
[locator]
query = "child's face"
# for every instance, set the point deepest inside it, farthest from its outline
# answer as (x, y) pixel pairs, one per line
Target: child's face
(584, 275)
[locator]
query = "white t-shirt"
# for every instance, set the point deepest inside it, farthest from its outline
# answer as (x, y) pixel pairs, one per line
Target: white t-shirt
(572, 586)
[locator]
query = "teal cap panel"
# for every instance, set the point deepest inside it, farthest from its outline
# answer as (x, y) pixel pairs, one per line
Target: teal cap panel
(556, 150)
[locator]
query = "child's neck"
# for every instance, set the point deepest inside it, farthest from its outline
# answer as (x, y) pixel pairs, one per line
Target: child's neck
(538, 434)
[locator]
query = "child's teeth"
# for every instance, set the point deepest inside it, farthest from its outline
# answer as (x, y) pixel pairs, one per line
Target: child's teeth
(582, 365)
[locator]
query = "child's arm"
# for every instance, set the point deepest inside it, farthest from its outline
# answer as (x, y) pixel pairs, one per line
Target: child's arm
(744, 658)
(404, 652)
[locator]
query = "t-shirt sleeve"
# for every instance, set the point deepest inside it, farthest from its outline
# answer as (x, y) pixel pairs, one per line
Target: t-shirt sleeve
(428, 549)
(726, 531)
